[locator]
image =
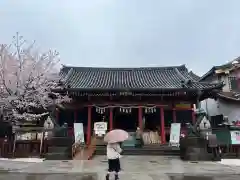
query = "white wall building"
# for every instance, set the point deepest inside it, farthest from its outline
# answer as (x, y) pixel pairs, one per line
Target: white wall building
(228, 101)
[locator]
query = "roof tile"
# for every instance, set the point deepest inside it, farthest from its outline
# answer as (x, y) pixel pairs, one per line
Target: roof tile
(131, 78)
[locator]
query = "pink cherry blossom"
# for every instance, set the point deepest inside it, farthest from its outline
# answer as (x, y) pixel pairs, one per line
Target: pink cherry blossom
(26, 79)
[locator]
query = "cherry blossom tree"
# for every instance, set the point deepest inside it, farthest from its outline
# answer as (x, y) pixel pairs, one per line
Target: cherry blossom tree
(27, 78)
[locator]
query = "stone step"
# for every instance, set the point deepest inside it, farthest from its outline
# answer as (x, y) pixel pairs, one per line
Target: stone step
(161, 147)
(59, 149)
(147, 148)
(140, 151)
(57, 156)
(61, 141)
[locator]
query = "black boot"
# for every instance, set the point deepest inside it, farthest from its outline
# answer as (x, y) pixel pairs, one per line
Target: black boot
(107, 177)
(116, 177)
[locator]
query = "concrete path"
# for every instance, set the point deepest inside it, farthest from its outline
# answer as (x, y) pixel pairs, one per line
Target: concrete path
(134, 167)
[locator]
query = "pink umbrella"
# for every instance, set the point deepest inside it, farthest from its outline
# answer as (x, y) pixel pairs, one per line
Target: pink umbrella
(116, 135)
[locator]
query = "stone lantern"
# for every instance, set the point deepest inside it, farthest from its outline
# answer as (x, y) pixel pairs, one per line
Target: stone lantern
(205, 127)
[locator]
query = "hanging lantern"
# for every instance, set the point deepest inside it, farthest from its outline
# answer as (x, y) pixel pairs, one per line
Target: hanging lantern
(146, 110)
(130, 110)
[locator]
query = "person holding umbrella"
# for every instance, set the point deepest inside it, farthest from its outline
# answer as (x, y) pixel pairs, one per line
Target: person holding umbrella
(114, 138)
(113, 156)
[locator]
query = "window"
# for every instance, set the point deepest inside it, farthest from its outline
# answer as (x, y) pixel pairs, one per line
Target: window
(233, 84)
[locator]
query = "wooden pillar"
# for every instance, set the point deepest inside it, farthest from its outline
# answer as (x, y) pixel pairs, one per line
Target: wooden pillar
(89, 127)
(174, 116)
(111, 118)
(163, 139)
(140, 120)
(75, 116)
(193, 115)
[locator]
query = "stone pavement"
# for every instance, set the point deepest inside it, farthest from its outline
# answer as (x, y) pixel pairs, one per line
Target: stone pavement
(134, 167)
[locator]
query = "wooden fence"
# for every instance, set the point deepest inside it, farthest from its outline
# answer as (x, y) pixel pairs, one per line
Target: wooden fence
(13, 147)
(23, 148)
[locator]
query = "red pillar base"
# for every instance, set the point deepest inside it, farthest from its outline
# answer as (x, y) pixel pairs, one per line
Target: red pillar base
(163, 138)
(111, 119)
(89, 125)
(140, 121)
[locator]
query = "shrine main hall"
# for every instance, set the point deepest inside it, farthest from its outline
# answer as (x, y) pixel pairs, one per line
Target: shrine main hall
(150, 98)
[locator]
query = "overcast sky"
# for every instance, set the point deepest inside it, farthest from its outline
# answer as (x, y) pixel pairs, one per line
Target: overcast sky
(120, 33)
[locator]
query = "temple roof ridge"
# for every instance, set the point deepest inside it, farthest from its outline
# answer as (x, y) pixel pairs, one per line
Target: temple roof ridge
(142, 68)
(169, 77)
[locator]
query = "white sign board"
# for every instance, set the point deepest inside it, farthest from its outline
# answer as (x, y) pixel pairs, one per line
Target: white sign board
(175, 134)
(235, 137)
(100, 128)
(78, 132)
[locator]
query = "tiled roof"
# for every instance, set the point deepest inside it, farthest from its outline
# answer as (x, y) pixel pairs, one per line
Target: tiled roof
(194, 76)
(147, 78)
(232, 96)
(223, 66)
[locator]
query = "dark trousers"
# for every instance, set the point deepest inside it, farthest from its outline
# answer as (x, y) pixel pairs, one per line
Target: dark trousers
(114, 165)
